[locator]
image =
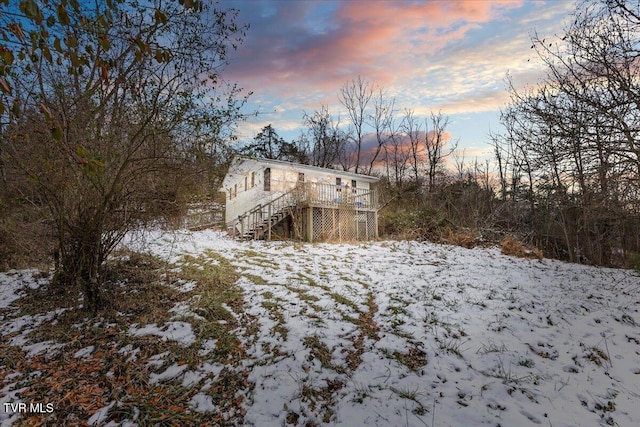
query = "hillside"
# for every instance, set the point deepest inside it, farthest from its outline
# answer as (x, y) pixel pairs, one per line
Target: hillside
(379, 334)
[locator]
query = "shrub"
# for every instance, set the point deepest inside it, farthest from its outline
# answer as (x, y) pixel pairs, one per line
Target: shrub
(633, 260)
(512, 246)
(460, 237)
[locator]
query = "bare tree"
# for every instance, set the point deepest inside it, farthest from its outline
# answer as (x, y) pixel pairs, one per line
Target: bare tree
(382, 121)
(411, 129)
(355, 96)
(397, 156)
(435, 140)
(574, 138)
(327, 140)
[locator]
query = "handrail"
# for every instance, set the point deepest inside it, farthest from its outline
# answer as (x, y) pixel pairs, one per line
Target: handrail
(336, 196)
(250, 221)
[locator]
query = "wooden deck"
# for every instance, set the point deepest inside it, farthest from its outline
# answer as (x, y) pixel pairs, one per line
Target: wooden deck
(325, 212)
(311, 194)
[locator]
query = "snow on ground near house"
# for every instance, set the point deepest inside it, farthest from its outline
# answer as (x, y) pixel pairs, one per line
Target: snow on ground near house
(408, 333)
(403, 333)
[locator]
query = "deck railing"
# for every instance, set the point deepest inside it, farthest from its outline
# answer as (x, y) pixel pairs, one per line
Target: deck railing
(335, 196)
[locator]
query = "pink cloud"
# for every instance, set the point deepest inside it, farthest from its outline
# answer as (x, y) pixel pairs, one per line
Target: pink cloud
(370, 145)
(379, 40)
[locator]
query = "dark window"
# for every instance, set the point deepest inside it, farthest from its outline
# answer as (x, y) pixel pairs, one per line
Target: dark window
(235, 190)
(338, 181)
(267, 179)
(245, 184)
(353, 183)
(300, 177)
(253, 179)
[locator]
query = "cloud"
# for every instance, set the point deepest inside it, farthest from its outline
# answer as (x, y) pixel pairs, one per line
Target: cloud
(451, 56)
(287, 52)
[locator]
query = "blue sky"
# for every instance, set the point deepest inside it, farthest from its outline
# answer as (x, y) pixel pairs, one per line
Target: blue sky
(449, 56)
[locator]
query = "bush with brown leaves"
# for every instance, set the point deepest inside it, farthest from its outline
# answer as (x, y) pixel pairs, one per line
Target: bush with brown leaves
(514, 247)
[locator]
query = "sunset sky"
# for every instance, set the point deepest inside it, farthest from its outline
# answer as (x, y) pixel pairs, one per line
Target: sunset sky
(452, 56)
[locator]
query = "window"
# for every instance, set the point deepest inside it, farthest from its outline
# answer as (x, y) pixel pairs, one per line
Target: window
(338, 181)
(353, 183)
(338, 184)
(253, 179)
(300, 177)
(245, 184)
(267, 179)
(235, 190)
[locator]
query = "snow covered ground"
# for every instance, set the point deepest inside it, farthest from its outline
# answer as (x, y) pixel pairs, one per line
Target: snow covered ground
(403, 334)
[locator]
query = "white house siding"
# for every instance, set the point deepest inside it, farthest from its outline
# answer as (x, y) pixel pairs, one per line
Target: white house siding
(284, 177)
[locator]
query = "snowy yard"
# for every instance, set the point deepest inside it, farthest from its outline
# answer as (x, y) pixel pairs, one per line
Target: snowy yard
(377, 334)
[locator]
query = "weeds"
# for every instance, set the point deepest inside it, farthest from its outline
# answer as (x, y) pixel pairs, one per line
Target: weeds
(491, 348)
(412, 395)
(451, 346)
(509, 377)
(319, 351)
(414, 358)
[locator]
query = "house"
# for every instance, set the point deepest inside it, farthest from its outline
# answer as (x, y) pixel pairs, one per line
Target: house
(273, 198)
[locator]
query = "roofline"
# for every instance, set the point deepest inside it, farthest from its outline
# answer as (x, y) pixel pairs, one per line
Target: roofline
(368, 178)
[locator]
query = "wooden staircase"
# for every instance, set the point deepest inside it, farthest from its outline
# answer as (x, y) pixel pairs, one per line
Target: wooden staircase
(258, 222)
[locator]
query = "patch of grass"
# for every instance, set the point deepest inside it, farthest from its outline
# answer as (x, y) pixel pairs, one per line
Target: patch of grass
(255, 258)
(275, 313)
(215, 278)
(491, 348)
(414, 358)
(509, 377)
(322, 400)
(626, 318)
(257, 280)
(138, 294)
(510, 297)
(451, 346)
(313, 283)
(412, 395)
(303, 294)
(544, 350)
(367, 323)
(319, 351)
(527, 363)
(81, 385)
(596, 356)
(397, 310)
(341, 299)
(430, 318)
(361, 392)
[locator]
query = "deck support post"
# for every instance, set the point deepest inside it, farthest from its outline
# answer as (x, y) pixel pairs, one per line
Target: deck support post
(310, 224)
(375, 220)
(269, 213)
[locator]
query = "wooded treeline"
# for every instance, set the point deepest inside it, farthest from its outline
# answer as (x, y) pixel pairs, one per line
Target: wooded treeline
(569, 157)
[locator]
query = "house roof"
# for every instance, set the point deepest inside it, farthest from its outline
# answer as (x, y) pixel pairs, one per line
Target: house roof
(231, 177)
